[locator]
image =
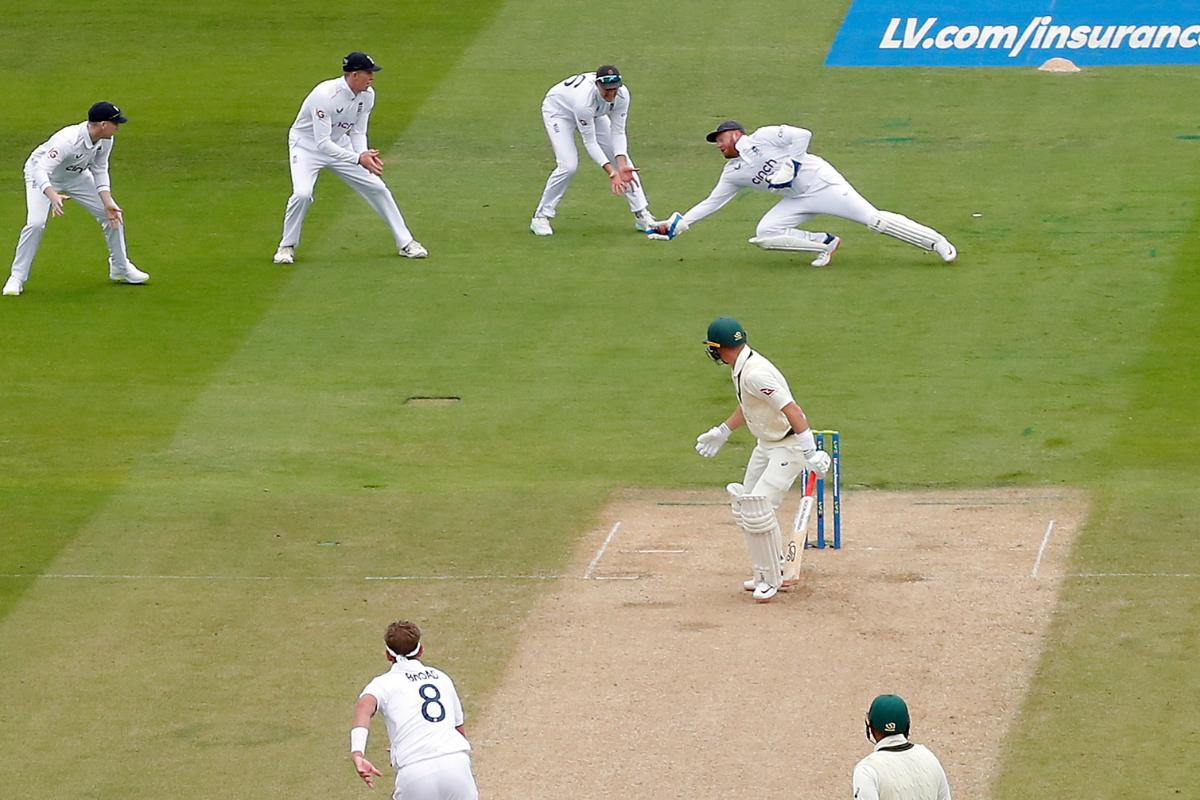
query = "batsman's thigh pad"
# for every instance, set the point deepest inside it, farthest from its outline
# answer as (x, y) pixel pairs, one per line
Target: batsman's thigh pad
(792, 239)
(784, 465)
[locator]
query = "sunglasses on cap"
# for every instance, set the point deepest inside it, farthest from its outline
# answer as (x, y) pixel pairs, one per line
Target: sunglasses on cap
(609, 80)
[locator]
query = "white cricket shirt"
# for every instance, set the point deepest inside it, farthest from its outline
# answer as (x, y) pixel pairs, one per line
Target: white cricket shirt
(62, 158)
(762, 392)
(900, 770)
(578, 99)
(761, 154)
(333, 121)
(421, 709)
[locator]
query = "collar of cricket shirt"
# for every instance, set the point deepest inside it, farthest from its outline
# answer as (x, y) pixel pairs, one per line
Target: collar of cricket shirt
(893, 741)
(86, 137)
(740, 361)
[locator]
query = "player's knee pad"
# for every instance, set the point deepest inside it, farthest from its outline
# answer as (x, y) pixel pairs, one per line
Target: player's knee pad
(758, 514)
(901, 227)
(762, 538)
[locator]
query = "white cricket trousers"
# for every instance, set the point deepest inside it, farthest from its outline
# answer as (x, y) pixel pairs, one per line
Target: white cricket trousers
(772, 469)
(446, 777)
(81, 191)
(833, 196)
(306, 164)
(561, 131)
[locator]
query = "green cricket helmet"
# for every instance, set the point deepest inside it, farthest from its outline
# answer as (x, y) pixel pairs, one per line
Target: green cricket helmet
(724, 332)
(888, 714)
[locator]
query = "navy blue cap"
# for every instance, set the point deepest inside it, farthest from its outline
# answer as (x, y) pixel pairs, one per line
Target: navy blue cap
(727, 125)
(106, 112)
(359, 62)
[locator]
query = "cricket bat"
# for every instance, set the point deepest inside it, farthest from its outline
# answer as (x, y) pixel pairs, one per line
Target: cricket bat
(795, 548)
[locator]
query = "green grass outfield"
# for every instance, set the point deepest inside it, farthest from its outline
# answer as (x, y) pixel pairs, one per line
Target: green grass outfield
(242, 426)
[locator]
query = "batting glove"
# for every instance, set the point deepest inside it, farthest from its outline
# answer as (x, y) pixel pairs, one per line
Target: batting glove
(783, 175)
(674, 226)
(709, 443)
(817, 461)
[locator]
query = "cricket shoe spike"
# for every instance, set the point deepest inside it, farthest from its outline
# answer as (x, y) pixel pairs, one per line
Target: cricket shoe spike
(831, 246)
(127, 274)
(414, 249)
(947, 251)
(644, 221)
(764, 592)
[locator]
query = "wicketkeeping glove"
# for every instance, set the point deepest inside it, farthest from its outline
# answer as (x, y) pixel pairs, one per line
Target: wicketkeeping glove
(784, 174)
(675, 226)
(709, 443)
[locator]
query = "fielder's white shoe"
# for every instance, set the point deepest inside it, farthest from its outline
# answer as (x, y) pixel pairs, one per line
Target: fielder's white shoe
(541, 226)
(831, 246)
(644, 220)
(764, 592)
(13, 286)
(414, 249)
(285, 255)
(127, 274)
(946, 250)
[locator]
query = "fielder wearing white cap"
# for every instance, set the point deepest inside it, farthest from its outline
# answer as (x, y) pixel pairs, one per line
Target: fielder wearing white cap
(73, 163)
(597, 105)
(784, 449)
(775, 159)
(330, 132)
(897, 769)
(424, 724)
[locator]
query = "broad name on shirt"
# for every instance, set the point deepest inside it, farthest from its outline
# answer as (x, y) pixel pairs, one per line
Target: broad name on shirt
(422, 675)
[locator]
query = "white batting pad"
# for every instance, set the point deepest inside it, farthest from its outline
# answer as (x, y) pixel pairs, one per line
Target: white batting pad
(901, 227)
(792, 239)
(758, 521)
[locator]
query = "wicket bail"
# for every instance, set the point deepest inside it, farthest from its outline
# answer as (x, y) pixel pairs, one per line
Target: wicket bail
(835, 454)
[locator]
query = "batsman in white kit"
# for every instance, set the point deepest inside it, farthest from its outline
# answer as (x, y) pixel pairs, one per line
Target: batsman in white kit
(424, 724)
(785, 448)
(73, 164)
(597, 105)
(775, 159)
(330, 132)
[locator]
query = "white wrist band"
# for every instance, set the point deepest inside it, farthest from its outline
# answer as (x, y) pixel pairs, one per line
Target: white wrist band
(358, 740)
(806, 440)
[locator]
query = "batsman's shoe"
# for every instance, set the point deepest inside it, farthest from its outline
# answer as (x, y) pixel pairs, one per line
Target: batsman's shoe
(750, 585)
(127, 274)
(764, 592)
(831, 246)
(285, 255)
(13, 286)
(946, 250)
(644, 221)
(414, 249)
(541, 226)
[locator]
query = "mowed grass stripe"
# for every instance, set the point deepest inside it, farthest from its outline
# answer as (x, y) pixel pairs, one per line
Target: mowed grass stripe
(1114, 681)
(97, 375)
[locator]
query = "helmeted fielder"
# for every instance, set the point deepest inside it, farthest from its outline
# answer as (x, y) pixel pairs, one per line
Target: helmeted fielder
(597, 105)
(775, 159)
(897, 769)
(784, 449)
(73, 163)
(330, 132)
(424, 724)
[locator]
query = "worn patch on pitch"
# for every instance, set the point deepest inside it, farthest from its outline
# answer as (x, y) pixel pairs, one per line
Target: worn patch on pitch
(667, 680)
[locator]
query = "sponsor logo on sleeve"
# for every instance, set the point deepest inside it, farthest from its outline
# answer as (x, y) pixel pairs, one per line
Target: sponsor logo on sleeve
(320, 114)
(1018, 33)
(767, 390)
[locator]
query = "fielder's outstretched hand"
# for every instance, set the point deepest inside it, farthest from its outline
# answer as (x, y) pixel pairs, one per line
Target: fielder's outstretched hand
(366, 770)
(668, 229)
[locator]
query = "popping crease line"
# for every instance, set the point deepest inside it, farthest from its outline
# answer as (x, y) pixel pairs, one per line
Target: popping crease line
(251, 578)
(600, 553)
(1037, 563)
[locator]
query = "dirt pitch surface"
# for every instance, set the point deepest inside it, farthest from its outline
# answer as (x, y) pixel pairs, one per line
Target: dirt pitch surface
(649, 672)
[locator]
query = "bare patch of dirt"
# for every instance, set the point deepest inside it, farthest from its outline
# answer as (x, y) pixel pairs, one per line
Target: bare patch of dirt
(658, 676)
